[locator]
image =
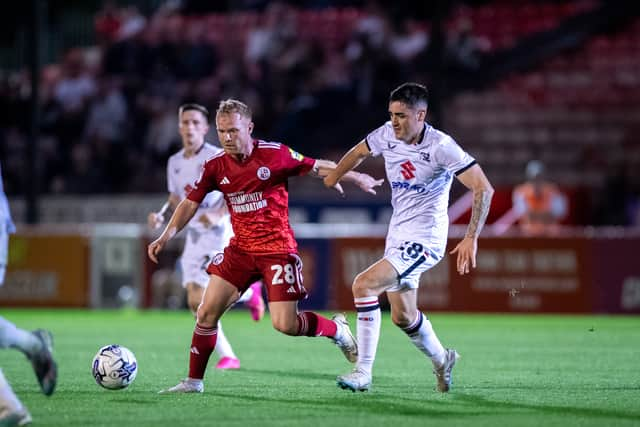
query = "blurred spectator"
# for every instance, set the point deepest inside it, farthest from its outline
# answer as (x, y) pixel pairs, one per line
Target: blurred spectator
(75, 86)
(539, 204)
(113, 24)
(132, 23)
(107, 23)
(367, 52)
(85, 177)
(198, 58)
(107, 113)
(162, 134)
(408, 41)
(14, 144)
(464, 52)
(73, 91)
(168, 52)
(618, 201)
(266, 42)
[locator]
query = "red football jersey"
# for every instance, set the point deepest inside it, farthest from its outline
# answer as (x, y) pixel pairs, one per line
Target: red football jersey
(256, 194)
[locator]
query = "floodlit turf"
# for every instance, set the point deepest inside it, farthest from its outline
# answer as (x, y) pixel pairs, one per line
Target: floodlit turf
(514, 371)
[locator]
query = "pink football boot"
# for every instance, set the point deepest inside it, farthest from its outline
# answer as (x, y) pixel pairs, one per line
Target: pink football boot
(256, 303)
(228, 363)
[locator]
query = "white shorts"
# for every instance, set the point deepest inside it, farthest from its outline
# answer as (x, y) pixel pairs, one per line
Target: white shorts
(198, 251)
(410, 260)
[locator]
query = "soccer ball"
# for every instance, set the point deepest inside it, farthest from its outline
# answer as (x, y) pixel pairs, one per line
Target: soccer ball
(114, 367)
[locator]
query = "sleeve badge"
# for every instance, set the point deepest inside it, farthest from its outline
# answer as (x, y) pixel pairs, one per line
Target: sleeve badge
(295, 155)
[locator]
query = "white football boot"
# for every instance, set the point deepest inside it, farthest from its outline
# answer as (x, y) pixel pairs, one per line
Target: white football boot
(185, 386)
(443, 373)
(345, 340)
(357, 380)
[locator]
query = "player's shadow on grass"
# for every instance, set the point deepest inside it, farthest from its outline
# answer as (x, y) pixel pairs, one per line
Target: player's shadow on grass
(536, 387)
(479, 401)
(380, 401)
(370, 403)
(153, 400)
(305, 375)
(457, 403)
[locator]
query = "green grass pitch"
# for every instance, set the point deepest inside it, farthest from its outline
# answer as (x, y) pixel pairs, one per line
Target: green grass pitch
(515, 371)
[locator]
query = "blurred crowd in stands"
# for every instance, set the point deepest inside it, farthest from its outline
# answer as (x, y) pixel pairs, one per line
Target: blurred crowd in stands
(108, 122)
(317, 78)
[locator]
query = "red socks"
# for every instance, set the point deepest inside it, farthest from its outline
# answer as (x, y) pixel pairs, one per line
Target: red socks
(311, 324)
(202, 345)
(204, 339)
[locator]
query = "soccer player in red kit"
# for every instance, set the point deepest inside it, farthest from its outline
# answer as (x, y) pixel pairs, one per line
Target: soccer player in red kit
(252, 175)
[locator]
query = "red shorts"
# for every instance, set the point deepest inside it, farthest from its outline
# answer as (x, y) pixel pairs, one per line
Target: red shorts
(281, 273)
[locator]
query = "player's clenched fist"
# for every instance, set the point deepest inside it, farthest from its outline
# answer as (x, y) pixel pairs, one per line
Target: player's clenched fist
(154, 249)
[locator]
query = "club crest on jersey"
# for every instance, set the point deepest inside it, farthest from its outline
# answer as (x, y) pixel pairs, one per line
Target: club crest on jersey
(217, 258)
(264, 173)
(425, 156)
(295, 155)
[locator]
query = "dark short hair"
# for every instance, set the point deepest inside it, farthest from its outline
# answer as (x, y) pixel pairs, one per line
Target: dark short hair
(194, 107)
(410, 94)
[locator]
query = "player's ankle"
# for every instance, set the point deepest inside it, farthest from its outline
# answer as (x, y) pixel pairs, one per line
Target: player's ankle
(339, 335)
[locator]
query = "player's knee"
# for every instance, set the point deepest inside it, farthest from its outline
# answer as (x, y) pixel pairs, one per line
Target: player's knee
(287, 328)
(363, 285)
(401, 319)
(205, 317)
(193, 306)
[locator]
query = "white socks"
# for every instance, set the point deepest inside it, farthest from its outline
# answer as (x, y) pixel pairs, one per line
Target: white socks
(368, 331)
(421, 334)
(8, 400)
(12, 336)
(223, 346)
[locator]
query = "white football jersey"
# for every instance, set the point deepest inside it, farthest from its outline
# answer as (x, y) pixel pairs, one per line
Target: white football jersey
(183, 173)
(420, 177)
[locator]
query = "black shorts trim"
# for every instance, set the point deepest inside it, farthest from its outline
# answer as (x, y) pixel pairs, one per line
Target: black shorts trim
(415, 265)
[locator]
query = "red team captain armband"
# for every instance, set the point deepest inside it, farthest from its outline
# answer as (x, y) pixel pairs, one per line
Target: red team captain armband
(256, 194)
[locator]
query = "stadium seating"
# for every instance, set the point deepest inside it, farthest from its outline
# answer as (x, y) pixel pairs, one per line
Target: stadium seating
(580, 101)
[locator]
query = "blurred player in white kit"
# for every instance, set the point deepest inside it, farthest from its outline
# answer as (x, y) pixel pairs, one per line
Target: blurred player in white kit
(36, 345)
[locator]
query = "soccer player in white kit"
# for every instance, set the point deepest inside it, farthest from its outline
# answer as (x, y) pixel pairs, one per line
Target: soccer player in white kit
(36, 345)
(210, 229)
(420, 163)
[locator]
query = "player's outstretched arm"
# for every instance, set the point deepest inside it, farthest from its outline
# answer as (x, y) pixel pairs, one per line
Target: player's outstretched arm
(155, 220)
(475, 180)
(183, 213)
(333, 173)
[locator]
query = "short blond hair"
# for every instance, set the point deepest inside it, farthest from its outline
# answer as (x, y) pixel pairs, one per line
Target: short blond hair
(229, 106)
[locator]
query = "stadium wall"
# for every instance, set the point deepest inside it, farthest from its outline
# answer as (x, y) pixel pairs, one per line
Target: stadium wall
(106, 265)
